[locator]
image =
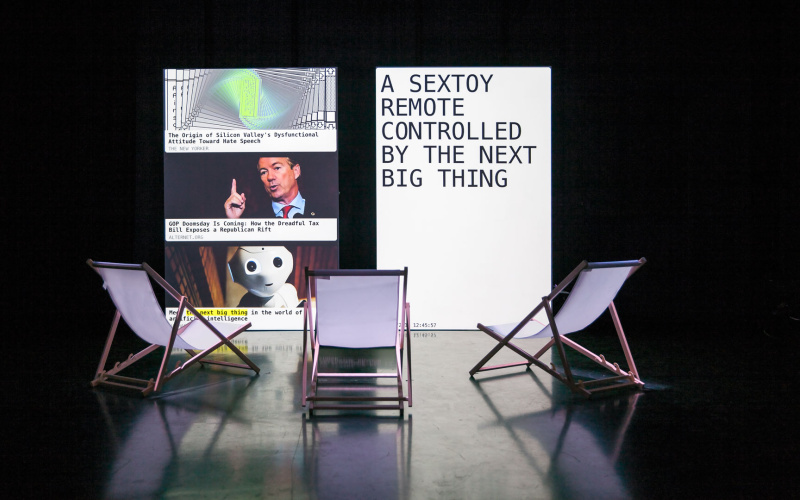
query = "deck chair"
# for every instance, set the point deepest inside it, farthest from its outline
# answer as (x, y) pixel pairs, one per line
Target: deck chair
(357, 311)
(130, 288)
(594, 286)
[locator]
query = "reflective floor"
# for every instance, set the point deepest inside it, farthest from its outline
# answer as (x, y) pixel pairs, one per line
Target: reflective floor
(712, 422)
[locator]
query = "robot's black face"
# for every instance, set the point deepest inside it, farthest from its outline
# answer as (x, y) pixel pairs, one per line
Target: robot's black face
(277, 262)
(252, 266)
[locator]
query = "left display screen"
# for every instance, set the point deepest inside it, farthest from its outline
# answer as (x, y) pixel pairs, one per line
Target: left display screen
(250, 189)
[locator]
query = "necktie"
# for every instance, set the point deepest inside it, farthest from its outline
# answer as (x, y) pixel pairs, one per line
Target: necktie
(286, 211)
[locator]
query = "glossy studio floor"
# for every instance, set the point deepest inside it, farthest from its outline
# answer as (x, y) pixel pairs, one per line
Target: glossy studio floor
(715, 420)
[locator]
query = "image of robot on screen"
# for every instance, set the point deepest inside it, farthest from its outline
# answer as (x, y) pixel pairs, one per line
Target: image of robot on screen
(263, 271)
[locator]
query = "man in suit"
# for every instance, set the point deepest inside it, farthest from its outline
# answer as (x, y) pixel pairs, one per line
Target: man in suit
(279, 176)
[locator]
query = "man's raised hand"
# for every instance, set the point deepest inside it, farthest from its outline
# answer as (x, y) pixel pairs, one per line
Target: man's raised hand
(234, 205)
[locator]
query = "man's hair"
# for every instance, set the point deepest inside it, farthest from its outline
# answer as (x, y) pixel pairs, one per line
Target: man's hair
(288, 160)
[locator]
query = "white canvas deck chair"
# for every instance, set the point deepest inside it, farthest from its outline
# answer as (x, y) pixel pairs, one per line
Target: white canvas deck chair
(356, 310)
(595, 286)
(131, 291)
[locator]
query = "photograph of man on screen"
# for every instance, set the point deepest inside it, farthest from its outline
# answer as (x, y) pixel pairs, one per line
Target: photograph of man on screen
(279, 176)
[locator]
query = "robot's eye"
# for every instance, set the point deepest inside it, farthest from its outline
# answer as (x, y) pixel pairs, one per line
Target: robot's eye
(252, 267)
(277, 262)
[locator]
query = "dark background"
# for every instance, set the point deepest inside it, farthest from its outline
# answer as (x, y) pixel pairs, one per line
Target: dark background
(675, 137)
(675, 128)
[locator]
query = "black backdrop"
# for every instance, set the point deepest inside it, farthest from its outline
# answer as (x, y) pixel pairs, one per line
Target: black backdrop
(675, 131)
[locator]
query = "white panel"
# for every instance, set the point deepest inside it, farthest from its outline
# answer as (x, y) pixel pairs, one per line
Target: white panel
(473, 229)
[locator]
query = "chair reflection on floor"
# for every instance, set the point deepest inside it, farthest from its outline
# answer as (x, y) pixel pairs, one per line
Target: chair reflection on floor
(147, 435)
(130, 288)
(581, 441)
(144, 448)
(357, 456)
(594, 287)
(354, 313)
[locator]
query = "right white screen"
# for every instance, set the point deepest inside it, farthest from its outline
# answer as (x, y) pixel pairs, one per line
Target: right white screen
(463, 187)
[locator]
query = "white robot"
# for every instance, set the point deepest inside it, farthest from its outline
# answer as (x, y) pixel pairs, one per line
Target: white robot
(264, 271)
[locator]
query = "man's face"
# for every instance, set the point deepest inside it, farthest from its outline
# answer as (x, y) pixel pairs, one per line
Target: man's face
(279, 178)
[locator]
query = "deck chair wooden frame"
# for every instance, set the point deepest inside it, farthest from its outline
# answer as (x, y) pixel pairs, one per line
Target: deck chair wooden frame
(620, 378)
(368, 333)
(131, 290)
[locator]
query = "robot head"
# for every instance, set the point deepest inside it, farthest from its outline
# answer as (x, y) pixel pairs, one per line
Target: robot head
(262, 270)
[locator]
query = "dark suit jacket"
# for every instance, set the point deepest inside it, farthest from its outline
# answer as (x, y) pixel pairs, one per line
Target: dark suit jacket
(310, 211)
